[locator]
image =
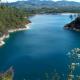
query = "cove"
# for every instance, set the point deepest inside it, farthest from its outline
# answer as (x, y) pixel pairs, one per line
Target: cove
(40, 50)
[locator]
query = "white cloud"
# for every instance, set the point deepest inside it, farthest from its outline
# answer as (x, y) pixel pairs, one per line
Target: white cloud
(23, 0)
(9, 0)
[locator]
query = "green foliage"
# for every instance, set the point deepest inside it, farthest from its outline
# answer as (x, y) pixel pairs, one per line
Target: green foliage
(56, 10)
(11, 18)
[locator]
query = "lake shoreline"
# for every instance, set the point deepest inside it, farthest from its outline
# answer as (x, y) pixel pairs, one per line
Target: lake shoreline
(73, 29)
(74, 25)
(5, 36)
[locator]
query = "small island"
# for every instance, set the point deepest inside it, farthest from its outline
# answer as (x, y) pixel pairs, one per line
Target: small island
(74, 25)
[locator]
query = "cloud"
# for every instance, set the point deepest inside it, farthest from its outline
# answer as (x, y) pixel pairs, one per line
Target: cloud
(26, 0)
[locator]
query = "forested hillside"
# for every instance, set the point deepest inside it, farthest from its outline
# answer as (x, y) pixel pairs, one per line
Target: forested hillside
(47, 6)
(11, 18)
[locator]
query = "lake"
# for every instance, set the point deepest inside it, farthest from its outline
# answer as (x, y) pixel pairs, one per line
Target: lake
(41, 50)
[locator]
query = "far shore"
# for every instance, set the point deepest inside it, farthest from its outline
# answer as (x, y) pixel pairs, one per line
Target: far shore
(11, 31)
(69, 13)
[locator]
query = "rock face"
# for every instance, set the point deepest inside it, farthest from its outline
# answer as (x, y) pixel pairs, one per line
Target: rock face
(74, 25)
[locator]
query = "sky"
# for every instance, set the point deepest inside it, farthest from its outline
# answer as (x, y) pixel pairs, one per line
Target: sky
(23, 0)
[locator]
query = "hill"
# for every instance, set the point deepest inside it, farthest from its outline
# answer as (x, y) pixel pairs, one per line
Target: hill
(11, 18)
(44, 3)
(47, 6)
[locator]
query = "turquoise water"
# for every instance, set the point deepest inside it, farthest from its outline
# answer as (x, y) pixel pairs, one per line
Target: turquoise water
(41, 49)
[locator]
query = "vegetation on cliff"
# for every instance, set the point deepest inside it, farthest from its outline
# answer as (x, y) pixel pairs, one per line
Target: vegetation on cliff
(12, 18)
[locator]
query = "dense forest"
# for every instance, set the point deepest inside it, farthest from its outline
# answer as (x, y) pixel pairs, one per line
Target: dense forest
(54, 10)
(11, 18)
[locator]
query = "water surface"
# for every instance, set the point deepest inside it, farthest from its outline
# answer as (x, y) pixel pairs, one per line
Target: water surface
(40, 50)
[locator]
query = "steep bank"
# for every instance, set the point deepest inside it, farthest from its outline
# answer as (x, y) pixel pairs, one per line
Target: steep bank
(12, 19)
(2, 38)
(74, 25)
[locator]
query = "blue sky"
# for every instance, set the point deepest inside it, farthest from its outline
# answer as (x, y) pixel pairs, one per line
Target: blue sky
(23, 0)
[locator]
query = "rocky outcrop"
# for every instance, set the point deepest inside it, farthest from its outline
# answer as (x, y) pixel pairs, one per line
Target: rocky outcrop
(74, 25)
